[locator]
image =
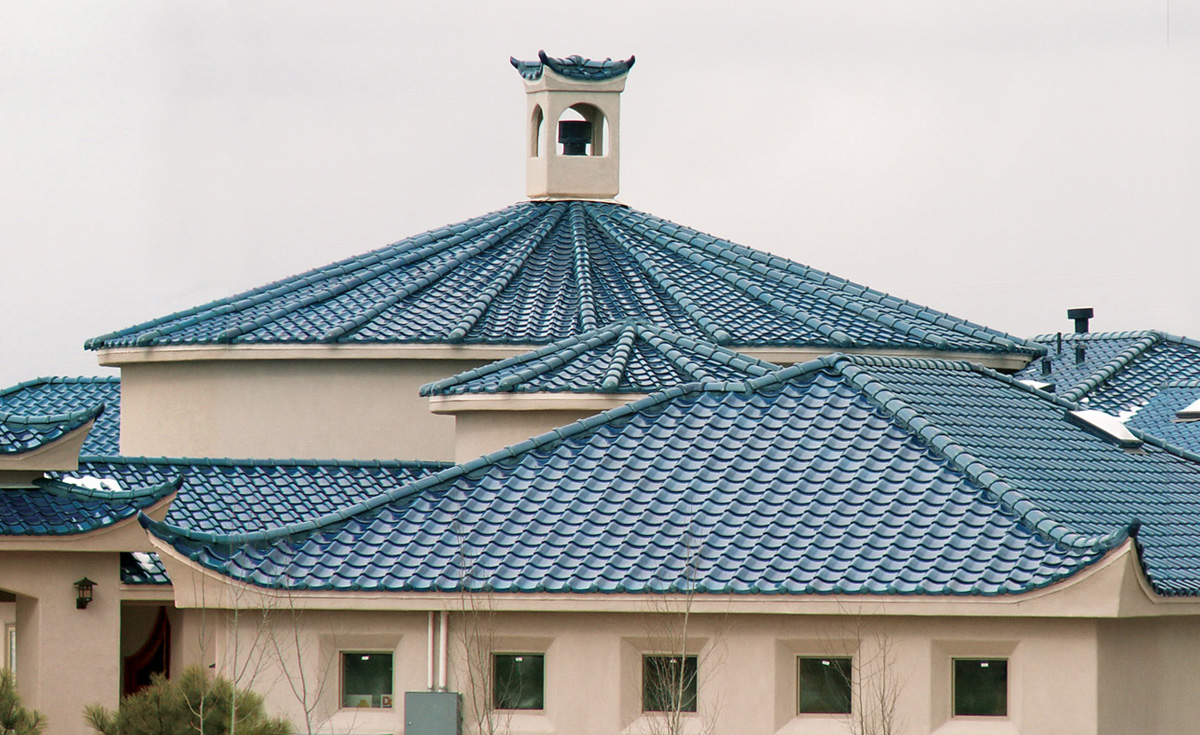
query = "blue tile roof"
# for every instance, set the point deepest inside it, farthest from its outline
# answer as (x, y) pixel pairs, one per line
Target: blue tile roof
(1120, 370)
(20, 433)
(540, 272)
(57, 508)
(69, 395)
(626, 357)
(572, 67)
(237, 496)
(850, 475)
(1157, 417)
(141, 568)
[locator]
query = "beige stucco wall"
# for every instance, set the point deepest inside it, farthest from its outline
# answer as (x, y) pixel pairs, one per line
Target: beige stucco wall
(66, 658)
(343, 409)
(1149, 676)
(748, 662)
(480, 432)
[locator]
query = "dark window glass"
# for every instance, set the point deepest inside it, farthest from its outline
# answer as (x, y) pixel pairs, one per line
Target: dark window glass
(519, 681)
(366, 679)
(669, 683)
(824, 685)
(981, 687)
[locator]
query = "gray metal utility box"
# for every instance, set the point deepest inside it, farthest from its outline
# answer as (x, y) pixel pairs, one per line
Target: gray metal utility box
(432, 713)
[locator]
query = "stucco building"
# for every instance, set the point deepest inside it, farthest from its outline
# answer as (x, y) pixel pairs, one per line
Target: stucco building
(598, 473)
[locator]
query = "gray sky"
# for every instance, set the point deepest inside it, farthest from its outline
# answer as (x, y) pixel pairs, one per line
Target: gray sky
(1001, 161)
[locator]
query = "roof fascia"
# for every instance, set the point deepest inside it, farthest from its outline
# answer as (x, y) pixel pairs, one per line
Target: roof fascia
(119, 356)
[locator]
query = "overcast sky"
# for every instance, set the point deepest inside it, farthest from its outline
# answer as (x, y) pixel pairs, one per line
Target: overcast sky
(1002, 161)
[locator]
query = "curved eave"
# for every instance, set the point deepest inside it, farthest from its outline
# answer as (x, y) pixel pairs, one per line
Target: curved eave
(1111, 587)
(120, 356)
(124, 534)
(60, 454)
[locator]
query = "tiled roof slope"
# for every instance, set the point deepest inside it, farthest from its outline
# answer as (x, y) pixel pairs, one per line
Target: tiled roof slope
(627, 357)
(539, 272)
(842, 475)
(70, 395)
(20, 433)
(1120, 370)
(56, 508)
(1158, 418)
(140, 568)
(572, 67)
(238, 496)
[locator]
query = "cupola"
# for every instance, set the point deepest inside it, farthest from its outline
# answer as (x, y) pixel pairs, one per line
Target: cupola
(574, 124)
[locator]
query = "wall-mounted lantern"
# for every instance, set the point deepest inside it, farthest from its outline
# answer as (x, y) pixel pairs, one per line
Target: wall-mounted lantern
(83, 593)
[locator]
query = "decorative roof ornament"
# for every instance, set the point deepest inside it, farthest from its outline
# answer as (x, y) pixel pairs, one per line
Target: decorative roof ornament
(572, 67)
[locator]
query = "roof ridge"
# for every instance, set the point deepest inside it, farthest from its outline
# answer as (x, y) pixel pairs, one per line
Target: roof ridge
(373, 256)
(620, 359)
(664, 281)
(78, 418)
(1119, 362)
(1009, 497)
(500, 281)
(581, 267)
(422, 280)
(260, 462)
(1086, 336)
(66, 489)
(821, 279)
(165, 530)
(1185, 383)
(738, 282)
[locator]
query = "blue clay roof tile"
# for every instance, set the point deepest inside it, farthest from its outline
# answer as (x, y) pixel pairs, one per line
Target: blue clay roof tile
(58, 508)
(537, 273)
(21, 433)
(70, 396)
(941, 503)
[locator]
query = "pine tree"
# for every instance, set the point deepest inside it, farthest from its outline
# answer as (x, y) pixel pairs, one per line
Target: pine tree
(195, 704)
(15, 719)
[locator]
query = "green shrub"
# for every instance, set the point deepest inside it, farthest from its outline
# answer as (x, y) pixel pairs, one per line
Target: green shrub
(15, 719)
(193, 704)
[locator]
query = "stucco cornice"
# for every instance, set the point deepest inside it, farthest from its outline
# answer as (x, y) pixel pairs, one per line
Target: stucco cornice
(119, 356)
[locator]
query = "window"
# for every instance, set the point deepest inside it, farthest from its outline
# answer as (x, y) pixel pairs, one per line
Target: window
(823, 685)
(518, 681)
(669, 683)
(366, 679)
(981, 687)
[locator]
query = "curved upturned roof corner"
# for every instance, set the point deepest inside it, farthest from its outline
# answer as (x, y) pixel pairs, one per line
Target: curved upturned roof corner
(572, 67)
(60, 508)
(843, 475)
(21, 433)
(539, 272)
(71, 395)
(626, 357)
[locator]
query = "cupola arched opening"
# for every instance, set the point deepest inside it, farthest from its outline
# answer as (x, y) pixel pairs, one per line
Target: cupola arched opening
(583, 130)
(536, 122)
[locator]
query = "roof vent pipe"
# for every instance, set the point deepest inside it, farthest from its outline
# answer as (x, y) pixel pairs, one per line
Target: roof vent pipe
(574, 136)
(1081, 317)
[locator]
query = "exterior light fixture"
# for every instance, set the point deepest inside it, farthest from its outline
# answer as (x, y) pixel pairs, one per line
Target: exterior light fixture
(83, 593)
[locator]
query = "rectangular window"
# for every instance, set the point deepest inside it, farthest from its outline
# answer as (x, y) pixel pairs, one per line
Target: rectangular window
(823, 685)
(518, 681)
(981, 687)
(669, 683)
(366, 679)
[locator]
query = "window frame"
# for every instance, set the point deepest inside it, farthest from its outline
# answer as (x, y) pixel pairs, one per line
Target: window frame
(342, 658)
(495, 681)
(954, 714)
(800, 682)
(695, 682)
